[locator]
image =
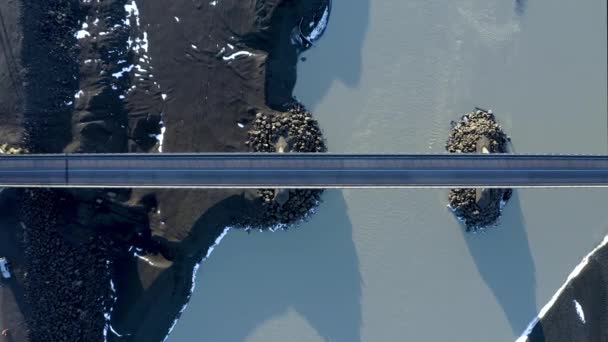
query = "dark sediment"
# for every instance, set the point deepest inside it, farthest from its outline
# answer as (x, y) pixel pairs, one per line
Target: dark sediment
(73, 104)
(106, 92)
(11, 87)
(212, 99)
(14, 308)
(589, 290)
(50, 67)
(478, 132)
(67, 284)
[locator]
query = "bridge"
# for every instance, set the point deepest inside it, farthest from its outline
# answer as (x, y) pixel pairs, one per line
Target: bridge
(302, 170)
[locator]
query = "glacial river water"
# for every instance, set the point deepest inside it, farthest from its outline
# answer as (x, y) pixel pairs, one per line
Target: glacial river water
(395, 265)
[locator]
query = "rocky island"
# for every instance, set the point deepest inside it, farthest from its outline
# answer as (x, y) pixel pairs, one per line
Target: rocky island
(477, 132)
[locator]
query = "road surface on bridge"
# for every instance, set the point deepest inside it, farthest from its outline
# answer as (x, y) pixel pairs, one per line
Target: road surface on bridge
(302, 170)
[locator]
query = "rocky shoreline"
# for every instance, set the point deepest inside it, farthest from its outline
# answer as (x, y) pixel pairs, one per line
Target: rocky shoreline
(478, 132)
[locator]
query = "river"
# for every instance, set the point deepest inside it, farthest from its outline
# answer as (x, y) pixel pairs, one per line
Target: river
(395, 265)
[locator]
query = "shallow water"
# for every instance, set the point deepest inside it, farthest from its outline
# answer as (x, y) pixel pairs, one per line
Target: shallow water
(394, 265)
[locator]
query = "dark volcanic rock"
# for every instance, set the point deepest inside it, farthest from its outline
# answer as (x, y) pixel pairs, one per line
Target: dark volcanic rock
(471, 128)
(101, 76)
(292, 131)
(578, 310)
(49, 59)
(67, 284)
(477, 132)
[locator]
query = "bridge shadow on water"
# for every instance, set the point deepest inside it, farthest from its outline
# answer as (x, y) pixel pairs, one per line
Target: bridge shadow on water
(504, 261)
(314, 272)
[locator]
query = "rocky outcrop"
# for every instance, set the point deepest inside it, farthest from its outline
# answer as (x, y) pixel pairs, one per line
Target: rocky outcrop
(474, 126)
(9, 149)
(296, 126)
(292, 131)
(477, 132)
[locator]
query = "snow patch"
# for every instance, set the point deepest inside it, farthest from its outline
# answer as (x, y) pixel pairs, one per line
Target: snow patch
(237, 54)
(108, 313)
(145, 259)
(160, 137)
(124, 69)
(316, 33)
(132, 11)
(80, 34)
(579, 311)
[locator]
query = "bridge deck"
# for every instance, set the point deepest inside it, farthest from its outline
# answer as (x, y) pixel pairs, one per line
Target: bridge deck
(292, 170)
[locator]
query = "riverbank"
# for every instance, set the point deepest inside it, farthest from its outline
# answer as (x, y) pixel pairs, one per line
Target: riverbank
(213, 86)
(133, 76)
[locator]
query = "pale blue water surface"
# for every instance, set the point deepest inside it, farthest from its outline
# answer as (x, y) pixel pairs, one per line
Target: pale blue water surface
(394, 265)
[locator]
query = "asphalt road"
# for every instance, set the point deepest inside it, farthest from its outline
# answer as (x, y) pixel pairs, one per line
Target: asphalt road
(292, 170)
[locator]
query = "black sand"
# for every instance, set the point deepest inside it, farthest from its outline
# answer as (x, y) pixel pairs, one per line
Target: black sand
(590, 289)
(71, 95)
